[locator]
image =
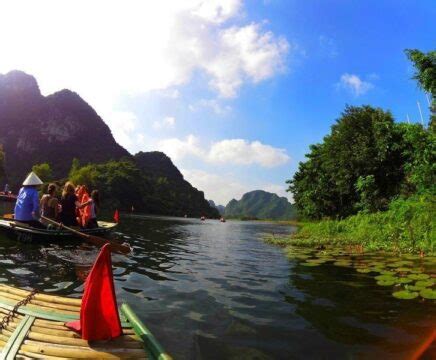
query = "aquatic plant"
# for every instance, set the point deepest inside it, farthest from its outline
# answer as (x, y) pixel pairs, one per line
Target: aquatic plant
(405, 294)
(428, 294)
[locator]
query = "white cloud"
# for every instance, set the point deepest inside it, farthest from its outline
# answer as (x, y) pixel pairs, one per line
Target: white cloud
(177, 149)
(240, 151)
(230, 151)
(104, 48)
(122, 124)
(223, 187)
(168, 122)
(354, 84)
(217, 11)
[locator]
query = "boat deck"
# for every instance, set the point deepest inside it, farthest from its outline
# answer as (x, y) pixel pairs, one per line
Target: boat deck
(38, 331)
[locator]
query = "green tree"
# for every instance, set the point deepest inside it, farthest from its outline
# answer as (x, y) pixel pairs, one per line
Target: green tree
(362, 144)
(418, 149)
(425, 75)
(75, 165)
(43, 171)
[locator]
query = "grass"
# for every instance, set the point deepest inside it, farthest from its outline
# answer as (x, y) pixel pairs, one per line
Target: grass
(407, 226)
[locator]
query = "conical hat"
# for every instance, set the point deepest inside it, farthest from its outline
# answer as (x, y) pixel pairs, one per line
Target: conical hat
(32, 180)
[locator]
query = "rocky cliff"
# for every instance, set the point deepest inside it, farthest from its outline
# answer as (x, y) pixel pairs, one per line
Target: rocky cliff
(57, 128)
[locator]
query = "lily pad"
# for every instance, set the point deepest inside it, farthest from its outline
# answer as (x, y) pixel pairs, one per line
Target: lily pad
(364, 270)
(415, 288)
(428, 294)
(418, 276)
(405, 294)
(404, 280)
(315, 261)
(385, 278)
(424, 283)
(342, 263)
(416, 271)
(386, 282)
(400, 264)
(387, 272)
(310, 264)
(403, 269)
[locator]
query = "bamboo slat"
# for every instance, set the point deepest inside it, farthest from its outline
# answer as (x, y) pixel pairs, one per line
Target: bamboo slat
(38, 331)
(43, 297)
(80, 352)
(46, 304)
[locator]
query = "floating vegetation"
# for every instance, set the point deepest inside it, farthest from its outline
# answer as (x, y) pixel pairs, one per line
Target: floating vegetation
(404, 280)
(411, 275)
(405, 294)
(342, 263)
(415, 288)
(310, 264)
(418, 276)
(424, 283)
(428, 294)
(364, 270)
(386, 282)
(385, 277)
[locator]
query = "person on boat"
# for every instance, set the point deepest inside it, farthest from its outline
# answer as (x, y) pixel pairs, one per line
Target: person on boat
(94, 205)
(69, 203)
(27, 205)
(84, 209)
(49, 204)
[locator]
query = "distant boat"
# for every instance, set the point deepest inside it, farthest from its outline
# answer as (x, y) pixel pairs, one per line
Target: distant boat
(223, 220)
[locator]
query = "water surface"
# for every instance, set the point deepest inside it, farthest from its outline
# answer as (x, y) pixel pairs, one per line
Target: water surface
(211, 290)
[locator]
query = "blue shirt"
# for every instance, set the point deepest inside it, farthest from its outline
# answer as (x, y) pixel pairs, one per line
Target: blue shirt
(27, 202)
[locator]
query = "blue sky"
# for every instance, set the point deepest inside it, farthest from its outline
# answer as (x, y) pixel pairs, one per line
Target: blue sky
(233, 91)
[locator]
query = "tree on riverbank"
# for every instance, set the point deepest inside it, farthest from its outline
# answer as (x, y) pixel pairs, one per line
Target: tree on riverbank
(425, 75)
(368, 160)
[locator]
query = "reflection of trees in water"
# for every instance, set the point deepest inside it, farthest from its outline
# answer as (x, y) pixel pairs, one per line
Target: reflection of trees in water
(349, 308)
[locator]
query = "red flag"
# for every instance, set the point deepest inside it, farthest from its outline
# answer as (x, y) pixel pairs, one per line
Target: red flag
(116, 216)
(99, 317)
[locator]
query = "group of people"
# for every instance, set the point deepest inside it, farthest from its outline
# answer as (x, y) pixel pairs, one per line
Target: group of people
(76, 206)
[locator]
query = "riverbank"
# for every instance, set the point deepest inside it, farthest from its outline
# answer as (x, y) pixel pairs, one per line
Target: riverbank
(407, 226)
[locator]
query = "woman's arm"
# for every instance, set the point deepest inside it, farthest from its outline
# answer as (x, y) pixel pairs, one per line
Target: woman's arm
(79, 205)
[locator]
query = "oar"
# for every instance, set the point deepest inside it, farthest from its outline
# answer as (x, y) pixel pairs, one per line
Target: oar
(95, 240)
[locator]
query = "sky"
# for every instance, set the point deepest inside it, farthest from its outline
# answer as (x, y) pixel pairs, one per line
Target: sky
(233, 91)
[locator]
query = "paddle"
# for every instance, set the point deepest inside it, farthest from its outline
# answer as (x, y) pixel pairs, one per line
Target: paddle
(95, 240)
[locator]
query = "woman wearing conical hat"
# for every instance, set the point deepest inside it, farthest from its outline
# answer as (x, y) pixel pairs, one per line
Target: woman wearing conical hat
(27, 205)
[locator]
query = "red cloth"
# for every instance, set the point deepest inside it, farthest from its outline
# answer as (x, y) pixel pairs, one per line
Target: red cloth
(117, 216)
(99, 317)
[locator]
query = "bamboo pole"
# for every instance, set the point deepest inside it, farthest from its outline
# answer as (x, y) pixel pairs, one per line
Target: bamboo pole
(95, 240)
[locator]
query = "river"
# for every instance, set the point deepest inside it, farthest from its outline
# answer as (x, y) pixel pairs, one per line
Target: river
(211, 290)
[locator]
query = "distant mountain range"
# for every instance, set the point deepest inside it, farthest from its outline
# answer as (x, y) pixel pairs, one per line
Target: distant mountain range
(260, 204)
(220, 208)
(57, 128)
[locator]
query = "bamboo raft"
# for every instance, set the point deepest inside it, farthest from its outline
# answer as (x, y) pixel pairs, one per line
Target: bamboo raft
(37, 331)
